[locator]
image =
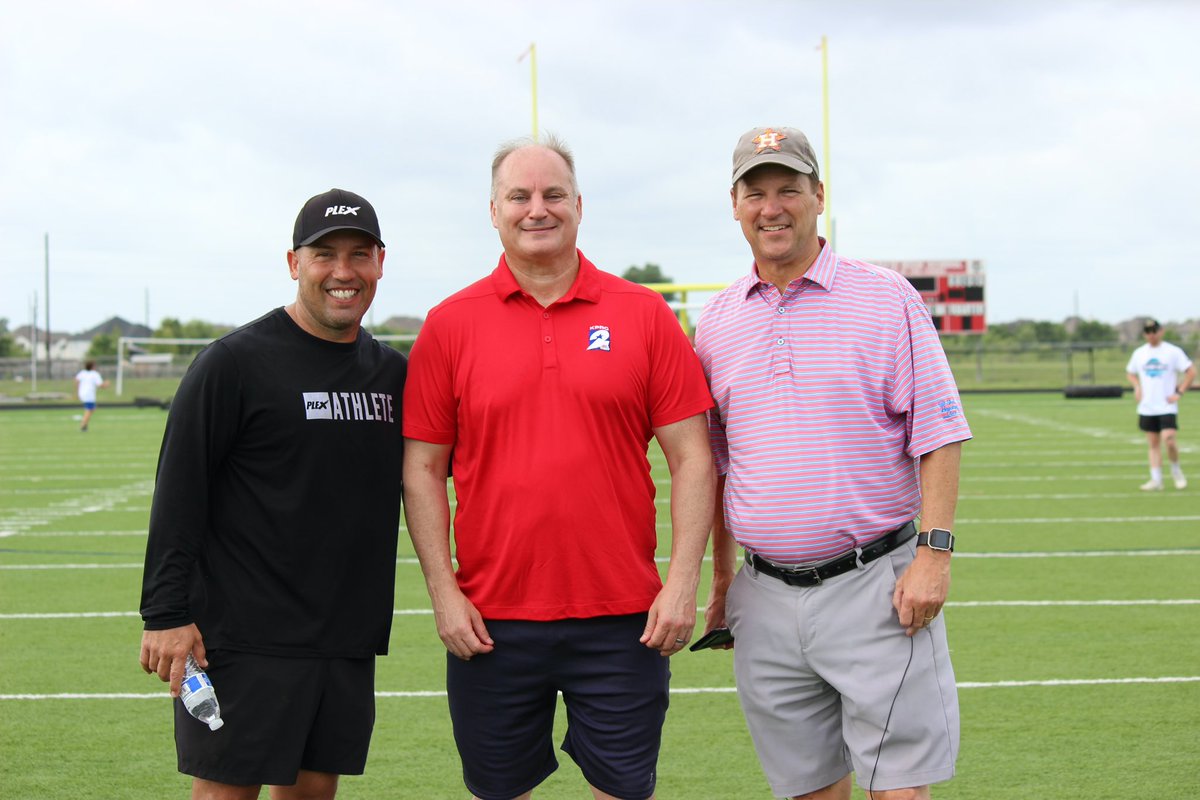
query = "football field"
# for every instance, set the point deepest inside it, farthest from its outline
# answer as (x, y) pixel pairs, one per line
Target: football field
(1074, 621)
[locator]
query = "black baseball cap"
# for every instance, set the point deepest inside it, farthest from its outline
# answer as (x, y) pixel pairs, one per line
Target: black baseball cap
(335, 210)
(1150, 325)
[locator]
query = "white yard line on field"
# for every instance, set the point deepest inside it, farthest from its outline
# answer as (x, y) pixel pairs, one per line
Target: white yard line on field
(1058, 425)
(971, 465)
(76, 477)
(160, 696)
(972, 478)
(422, 612)
(1062, 520)
(974, 497)
(21, 521)
(1084, 554)
(411, 561)
(22, 567)
(51, 534)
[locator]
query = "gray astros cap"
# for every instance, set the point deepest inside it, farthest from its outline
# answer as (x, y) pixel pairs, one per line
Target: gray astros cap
(786, 146)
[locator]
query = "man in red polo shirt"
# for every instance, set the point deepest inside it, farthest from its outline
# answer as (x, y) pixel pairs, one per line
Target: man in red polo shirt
(547, 380)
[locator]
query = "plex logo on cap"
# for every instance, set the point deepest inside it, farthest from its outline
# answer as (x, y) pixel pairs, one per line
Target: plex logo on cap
(335, 210)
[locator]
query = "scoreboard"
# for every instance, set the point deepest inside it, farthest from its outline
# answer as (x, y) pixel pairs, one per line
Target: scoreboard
(952, 290)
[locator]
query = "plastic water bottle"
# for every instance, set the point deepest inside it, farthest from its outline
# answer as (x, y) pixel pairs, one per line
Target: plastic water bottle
(198, 695)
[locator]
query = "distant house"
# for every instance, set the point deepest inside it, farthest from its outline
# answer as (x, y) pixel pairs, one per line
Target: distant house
(74, 347)
(117, 327)
(401, 325)
(61, 345)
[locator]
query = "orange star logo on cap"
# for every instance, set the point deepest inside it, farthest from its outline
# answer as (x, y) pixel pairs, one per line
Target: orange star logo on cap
(768, 139)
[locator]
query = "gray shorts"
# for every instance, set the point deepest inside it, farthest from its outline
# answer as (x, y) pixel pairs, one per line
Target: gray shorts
(819, 670)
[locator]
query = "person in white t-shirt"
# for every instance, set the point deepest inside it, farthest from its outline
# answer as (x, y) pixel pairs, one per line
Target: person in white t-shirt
(87, 381)
(1160, 373)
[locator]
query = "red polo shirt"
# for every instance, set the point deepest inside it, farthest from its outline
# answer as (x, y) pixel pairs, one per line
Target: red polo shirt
(550, 411)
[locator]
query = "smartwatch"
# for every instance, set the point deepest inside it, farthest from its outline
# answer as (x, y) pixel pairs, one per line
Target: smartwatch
(937, 539)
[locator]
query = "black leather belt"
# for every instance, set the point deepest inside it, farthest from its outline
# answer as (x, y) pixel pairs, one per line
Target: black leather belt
(816, 574)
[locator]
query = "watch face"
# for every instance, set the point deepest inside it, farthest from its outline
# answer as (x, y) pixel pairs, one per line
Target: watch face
(941, 539)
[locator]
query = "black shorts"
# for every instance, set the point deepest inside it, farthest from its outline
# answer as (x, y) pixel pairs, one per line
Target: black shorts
(1157, 423)
(281, 715)
(615, 690)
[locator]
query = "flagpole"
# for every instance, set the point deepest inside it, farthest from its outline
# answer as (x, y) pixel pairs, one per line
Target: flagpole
(533, 83)
(825, 125)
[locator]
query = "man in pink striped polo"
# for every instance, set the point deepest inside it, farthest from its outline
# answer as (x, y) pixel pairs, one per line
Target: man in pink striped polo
(837, 426)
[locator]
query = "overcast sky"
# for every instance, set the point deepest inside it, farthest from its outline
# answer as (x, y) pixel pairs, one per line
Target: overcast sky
(166, 149)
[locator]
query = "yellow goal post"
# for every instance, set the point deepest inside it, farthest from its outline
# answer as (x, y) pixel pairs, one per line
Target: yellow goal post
(682, 306)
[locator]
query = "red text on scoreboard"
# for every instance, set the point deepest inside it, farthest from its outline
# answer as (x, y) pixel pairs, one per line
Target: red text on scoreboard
(952, 290)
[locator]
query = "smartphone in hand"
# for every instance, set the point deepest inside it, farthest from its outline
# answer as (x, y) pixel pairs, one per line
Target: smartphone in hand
(717, 637)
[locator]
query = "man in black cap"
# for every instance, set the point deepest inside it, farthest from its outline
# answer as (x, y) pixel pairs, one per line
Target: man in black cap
(1160, 373)
(273, 529)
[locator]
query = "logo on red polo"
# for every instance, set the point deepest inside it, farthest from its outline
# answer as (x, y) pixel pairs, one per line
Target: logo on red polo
(599, 338)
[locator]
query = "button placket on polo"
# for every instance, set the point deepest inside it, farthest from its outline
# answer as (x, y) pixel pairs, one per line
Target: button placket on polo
(549, 346)
(781, 333)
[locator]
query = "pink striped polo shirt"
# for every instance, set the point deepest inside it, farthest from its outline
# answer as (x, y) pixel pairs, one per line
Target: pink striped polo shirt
(826, 398)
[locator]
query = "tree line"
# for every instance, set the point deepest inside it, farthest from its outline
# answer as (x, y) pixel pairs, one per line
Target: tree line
(1025, 334)
(1005, 335)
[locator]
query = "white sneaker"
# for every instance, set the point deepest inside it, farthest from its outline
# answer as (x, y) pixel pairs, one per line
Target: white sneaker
(1152, 486)
(1180, 482)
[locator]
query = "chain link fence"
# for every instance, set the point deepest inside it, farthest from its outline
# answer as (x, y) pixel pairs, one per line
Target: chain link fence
(1026, 367)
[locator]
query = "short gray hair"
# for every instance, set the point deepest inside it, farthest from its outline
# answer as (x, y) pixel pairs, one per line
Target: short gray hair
(550, 142)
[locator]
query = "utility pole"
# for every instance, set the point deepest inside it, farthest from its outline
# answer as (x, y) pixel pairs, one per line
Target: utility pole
(49, 371)
(33, 341)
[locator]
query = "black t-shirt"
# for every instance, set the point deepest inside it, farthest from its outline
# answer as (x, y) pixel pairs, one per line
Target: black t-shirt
(277, 504)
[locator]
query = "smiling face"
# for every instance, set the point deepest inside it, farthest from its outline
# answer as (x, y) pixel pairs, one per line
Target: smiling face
(337, 275)
(536, 208)
(778, 209)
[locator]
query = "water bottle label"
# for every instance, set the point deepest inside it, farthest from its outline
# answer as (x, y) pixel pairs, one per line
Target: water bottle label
(196, 682)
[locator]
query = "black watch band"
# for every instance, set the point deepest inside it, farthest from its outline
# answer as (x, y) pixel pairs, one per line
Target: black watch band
(937, 539)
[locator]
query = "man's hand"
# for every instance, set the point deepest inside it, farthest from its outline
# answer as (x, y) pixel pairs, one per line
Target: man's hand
(165, 653)
(724, 558)
(921, 591)
(460, 625)
(671, 619)
(714, 609)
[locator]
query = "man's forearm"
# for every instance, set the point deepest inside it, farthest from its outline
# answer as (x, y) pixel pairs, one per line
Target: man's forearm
(693, 482)
(724, 547)
(1188, 378)
(428, 519)
(939, 486)
(692, 491)
(427, 512)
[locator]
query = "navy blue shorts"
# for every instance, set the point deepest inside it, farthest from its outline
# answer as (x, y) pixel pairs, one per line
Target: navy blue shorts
(281, 715)
(615, 690)
(1157, 423)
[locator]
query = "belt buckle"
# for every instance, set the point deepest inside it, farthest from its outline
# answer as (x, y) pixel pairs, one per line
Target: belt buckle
(806, 573)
